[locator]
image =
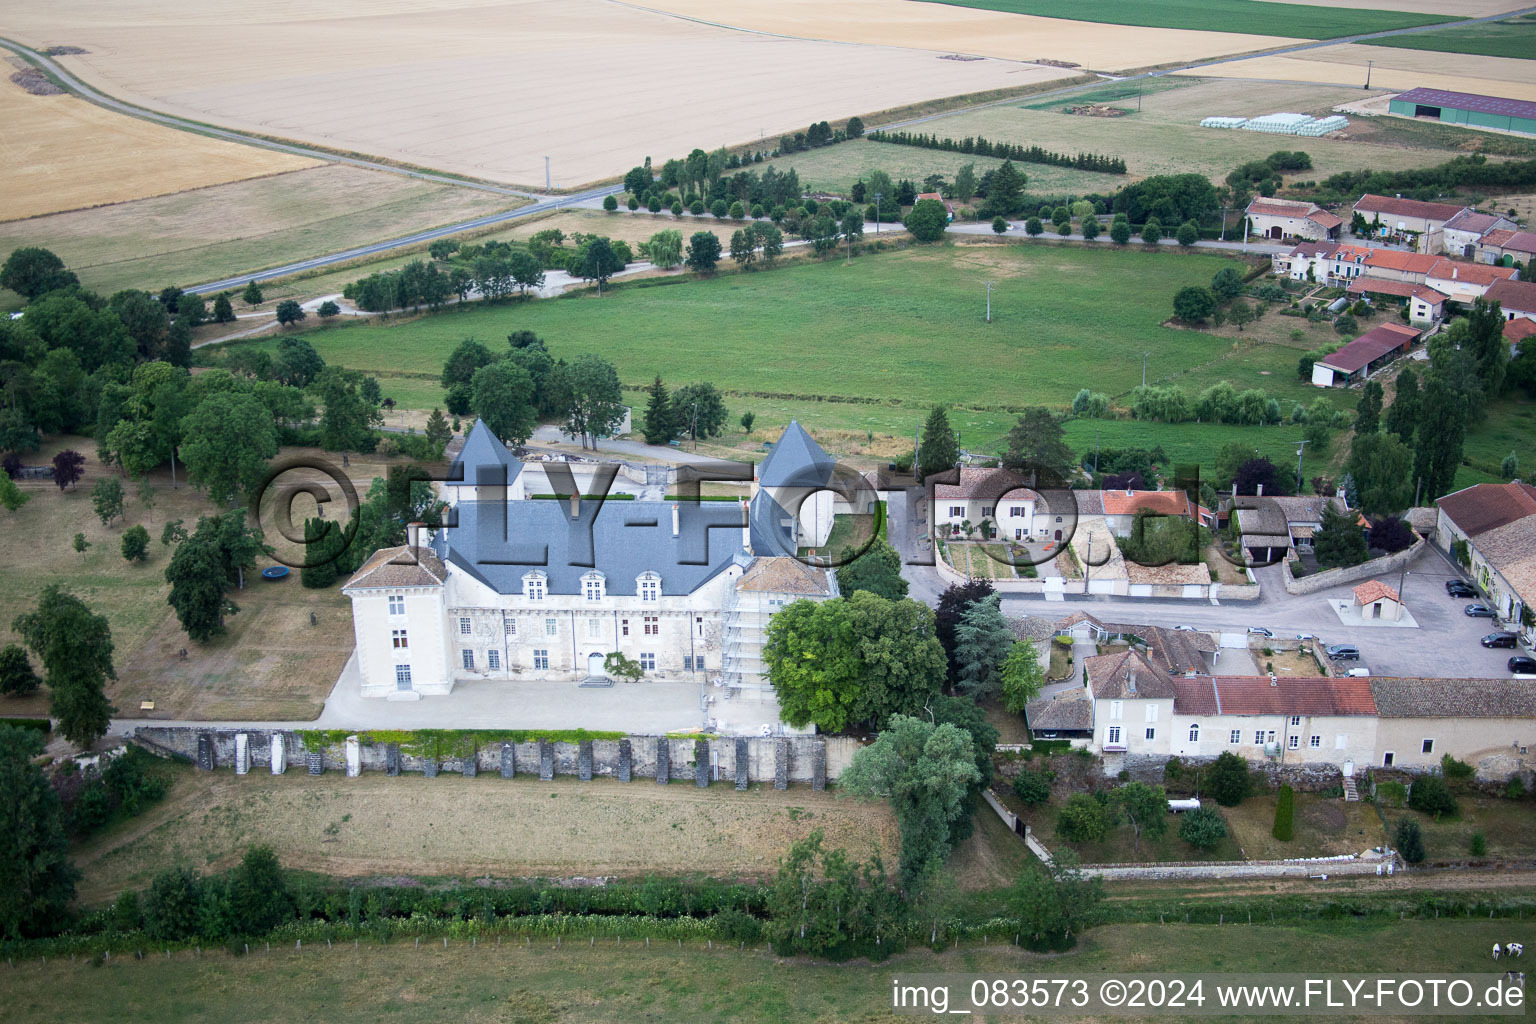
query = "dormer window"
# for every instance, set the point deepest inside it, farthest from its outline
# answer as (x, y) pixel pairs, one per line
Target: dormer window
(535, 586)
(649, 586)
(592, 586)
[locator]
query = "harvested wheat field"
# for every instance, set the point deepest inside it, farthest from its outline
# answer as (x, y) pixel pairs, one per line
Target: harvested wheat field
(1449, 8)
(62, 153)
(450, 825)
(1397, 69)
(488, 88)
(209, 233)
(967, 30)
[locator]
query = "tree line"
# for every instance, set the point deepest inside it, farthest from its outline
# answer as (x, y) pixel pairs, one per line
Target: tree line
(1471, 171)
(980, 146)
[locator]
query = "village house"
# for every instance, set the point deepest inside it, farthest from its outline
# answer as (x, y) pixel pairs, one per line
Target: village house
(949, 207)
(1121, 506)
(1497, 524)
(1516, 331)
(1488, 723)
(1394, 265)
(1372, 350)
(1519, 246)
(1424, 304)
(1464, 231)
(1517, 299)
(1324, 262)
(1421, 223)
(1465, 282)
(518, 587)
(1285, 218)
(997, 498)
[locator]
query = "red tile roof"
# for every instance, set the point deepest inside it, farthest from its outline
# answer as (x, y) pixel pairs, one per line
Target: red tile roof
(1518, 329)
(1326, 219)
(1514, 296)
(1429, 295)
(1483, 507)
(1126, 674)
(1382, 286)
(1370, 346)
(1406, 207)
(1470, 273)
(1407, 262)
(1372, 591)
(1286, 695)
(1125, 503)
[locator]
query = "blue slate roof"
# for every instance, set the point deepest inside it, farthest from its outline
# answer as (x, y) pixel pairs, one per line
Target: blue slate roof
(481, 460)
(796, 461)
(498, 542)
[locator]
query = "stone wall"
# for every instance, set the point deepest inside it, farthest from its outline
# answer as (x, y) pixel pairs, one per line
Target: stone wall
(1304, 777)
(744, 759)
(1349, 574)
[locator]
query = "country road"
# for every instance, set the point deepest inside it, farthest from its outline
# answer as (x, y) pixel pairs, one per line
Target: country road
(545, 203)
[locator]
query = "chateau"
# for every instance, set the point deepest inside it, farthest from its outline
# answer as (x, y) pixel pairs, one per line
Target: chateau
(527, 586)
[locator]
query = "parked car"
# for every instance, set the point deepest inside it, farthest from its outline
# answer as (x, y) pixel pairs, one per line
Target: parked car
(1190, 629)
(1479, 611)
(1261, 631)
(1344, 652)
(1358, 673)
(1500, 639)
(1523, 665)
(1306, 636)
(1460, 588)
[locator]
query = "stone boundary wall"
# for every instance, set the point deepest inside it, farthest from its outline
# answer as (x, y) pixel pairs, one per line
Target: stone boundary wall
(775, 760)
(1242, 869)
(1304, 777)
(1059, 586)
(1351, 573)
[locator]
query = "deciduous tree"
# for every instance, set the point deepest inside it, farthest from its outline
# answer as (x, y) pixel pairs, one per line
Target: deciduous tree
(503, 398)
(34, 849)
(75, 649)
(596, 399)
(229, 438)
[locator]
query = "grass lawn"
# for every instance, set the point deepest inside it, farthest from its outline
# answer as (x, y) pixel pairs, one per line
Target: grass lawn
(575, 984)
(1510, 426)
(1513, 38)
(1324, 827)
(467, 828)
(272, 663)
(1258, 18)
(1509, 826)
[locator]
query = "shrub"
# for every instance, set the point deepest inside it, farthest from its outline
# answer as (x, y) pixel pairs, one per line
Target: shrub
(135, 544)
(1120, 232)
(1409, 841)
(1479, 845)
(1430, 795)
(718, 209)
(696, 207)
(1229, 780)
(1391, 794)
(1203, 829)
(1082, 820)
(1285, 814)
(1032, 787)
(1000, 225)
(1514, 789)
(1454, 770)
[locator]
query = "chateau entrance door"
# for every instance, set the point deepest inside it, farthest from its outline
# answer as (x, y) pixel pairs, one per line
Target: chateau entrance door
(594, 664)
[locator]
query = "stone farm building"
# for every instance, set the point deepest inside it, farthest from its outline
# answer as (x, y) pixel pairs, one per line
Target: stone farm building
(1411, 219)
(1286, 218)
(1517, 299)
(522, 587)
(1497, 522)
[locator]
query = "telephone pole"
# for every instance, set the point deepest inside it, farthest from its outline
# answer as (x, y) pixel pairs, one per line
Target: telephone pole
(1368, 73)
(989, 302)
(547, 185)
(1301, 447)
(1144, 368)
(877, 213)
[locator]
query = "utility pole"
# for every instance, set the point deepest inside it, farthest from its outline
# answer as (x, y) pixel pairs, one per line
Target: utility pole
(1301, 447)
(1144, 368)
(1095, 451)
(877, 213)
(1224, 223)
(989, 302)
(693, 427)
(1368, 73)
(1401, 580)
(547, 185)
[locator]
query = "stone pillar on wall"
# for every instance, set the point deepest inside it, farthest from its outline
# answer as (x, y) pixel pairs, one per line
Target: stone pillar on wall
(392, 759)
(819, 766)
(626, 761)
(242, 753)
(470, 765)
(701, 763)
(205, 751)
(546, 760)
(430, 766)
(584, 760)
(354, 757)
(279, 754)
(781, 763)
(741, 762)
(315, 761)
(663, 760)
(508, 761)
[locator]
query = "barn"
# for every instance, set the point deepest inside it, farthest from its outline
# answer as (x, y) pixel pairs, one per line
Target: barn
(1469, 109)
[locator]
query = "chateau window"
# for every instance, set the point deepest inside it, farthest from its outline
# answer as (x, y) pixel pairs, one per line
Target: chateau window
(540, 658)
(1293, 741)
(402, 675)
(650, 587)
(493, 658)
(534, 586)
(1295, 719)
(397, 604)
(652, 625)
(1113, 736)
(698, 625)
(1315, 742)
(1236, 736)
(468, 657)
(687, 663)
(511, 627)
(592, 587)
(624, 627)
(593, 627)
(464, 627)
(551, 627)
(1194, 734)
(648, 661)
(1258, 738)
(399, 639)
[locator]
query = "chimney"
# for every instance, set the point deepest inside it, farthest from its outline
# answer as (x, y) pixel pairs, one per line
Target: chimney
(1129, 492)
(746, 526)
(575, 504)
(413, 537)
(1272, 680)
(1261, 491)
(1130, 683)
(674, 519)
(1234, 489)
